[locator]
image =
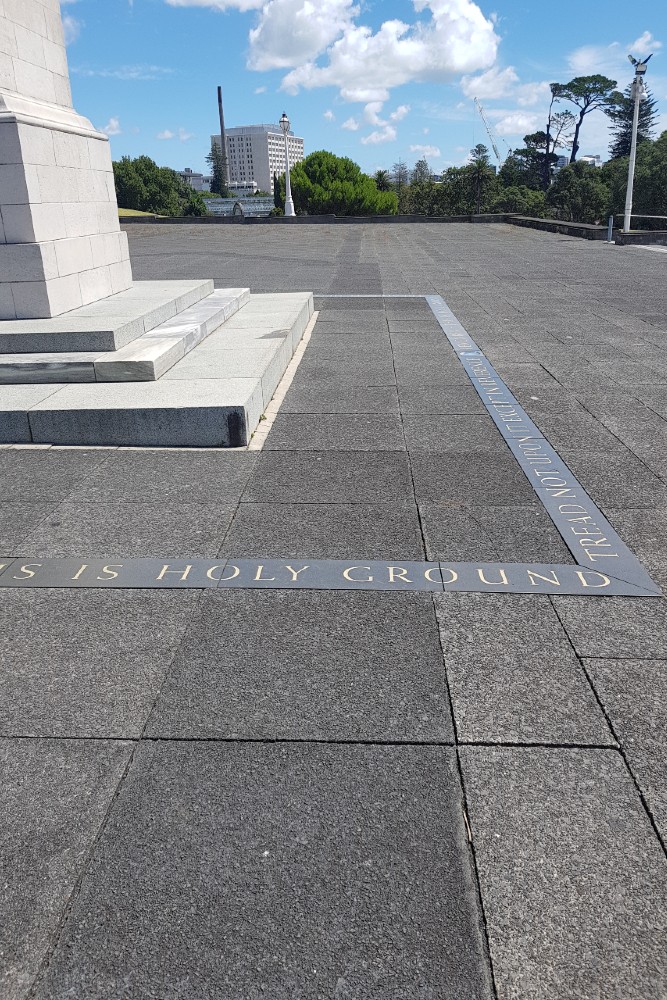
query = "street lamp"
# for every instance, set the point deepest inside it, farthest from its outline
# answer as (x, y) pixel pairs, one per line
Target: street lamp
(289, 204)
(638, 94)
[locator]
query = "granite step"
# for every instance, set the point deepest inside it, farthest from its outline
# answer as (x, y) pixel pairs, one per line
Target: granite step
(214, 397)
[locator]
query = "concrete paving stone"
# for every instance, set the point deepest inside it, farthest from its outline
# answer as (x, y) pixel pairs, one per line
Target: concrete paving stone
(130, 530)
(344, 372)
(512, 674)
(531, 375)
(572, 876)
(643, 530)
(488, 533)
(17, 519)
(422, 376)
(312, 665)
(634, 695)
(345, 325)
(335, 431)
(548, 400)
(93, 662)
(299, 871)
(577, 430)
(158, 476)
(325, 531)
(615, 627)
(615, 479)
(341, 399)
(477, 479)
(41, 475)
(15, 400)
(330, 477)
(54, 796)
(467, 433)
(413, 324)
(430, 400)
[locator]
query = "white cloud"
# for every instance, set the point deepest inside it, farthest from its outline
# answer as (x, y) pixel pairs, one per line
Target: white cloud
(429, 152)
(71, 28)
(139, 72)
(611, 60)
(386, 134)
(329, 116)
(529, 94)
(167, 134)
(517, 123)
(217, 4)
(372, 113)
(352, 125)
(364, 65)
(645, 45)
(291, 32)
(401, 112)
(112, 127)
(260, 90)
(183, 136)
(494, 83)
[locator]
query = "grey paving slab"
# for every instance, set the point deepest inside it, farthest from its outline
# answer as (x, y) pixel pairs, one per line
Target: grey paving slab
(93, 663)
(325, 531)
(615, 627)
(339, 432)
(188, 530)
(464, 434)
(341, 399)
(516, 533)
(572, 875)
(430, 399)
(616, 479)
(329, 477)
(18, 518)
(309, 871)
(634, 695)
(308, 665)
(345, 372)
(157, 476)
(481, 478)
(644, 531)
(54, 796)
(45, 475)
(513, 676)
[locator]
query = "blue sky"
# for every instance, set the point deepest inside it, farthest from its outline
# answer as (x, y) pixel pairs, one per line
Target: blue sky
(376, 80)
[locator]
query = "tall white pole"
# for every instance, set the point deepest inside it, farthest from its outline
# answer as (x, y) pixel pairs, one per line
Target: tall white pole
(289, 204)
(638, 92)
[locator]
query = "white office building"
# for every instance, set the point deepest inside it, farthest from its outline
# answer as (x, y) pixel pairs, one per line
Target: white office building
(257, 152)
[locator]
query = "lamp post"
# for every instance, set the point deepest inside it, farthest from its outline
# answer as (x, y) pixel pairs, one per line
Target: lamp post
(638, 94)
(289, 204)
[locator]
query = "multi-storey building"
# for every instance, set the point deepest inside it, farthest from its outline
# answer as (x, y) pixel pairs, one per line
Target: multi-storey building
(257, 152)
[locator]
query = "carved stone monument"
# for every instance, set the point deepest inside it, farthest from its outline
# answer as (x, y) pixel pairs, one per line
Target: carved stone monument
(60, 241)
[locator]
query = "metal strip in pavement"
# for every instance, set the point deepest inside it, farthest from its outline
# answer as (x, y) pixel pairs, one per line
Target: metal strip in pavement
(585, 530)
(314, 574)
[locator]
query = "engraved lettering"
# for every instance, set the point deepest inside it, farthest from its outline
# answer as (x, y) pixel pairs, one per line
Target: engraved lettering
(351, 569)
(503, 582)
(454, 574)
(533, 577)
(28, 572)
(109, 570)
(434, 569)
(80, 571)
(397, 572)
(265, 579)
(236, 571)
(183, 573)
(211, 571)
(584, 582)
(295, 572)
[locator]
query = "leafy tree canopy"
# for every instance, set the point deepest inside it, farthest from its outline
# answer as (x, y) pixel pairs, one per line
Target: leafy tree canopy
(587, 93)
(325, 184)
(142, 185)
(621, 112)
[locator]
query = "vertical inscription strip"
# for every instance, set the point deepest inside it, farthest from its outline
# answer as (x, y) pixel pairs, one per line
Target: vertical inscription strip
(585, 530)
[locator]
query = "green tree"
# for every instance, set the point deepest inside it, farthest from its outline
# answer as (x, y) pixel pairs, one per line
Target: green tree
(422, 188)
(217, 161)
(382, 180)
(401, 185)
(142, 185)
(483, 177)
(588, 93)
(621, 113)
(325, 184)
(650, 189)
(580, 193)
(524, 200)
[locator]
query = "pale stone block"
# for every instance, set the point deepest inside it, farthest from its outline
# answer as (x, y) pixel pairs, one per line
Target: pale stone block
(31, 299)
(10, 147)
(18, 224)
(79, 220)
(71, 150)
(99, 152)
(55, 57)
(54, 25)
(7, 310)
(62, 90)
(8, 38)
(19, 185)
(121, 276)
(107, 215)
(7, 75)
(30, 46)
(36, 145)
(27, 13)
(73, 255)
(27, 261)
(48, 222)
(2, 228)
(95, 284)
(111, 187)
(34, 81)
(105, 249)
(59, 184)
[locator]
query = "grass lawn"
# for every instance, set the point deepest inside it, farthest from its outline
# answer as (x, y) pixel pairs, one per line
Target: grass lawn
(124, 212)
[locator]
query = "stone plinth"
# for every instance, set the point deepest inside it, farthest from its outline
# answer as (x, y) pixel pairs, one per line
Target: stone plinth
(60, 241)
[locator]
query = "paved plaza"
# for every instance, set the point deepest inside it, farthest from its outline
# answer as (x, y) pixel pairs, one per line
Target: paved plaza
(355, 715)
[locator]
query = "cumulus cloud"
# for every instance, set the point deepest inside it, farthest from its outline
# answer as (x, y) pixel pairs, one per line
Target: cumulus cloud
(611, 60)
(352, 125)
(167, 134)
(400, 113)
(517, 123)
(291, 32)
(112, 127)
(329, 116)
(645, 44)
(386, 134)
(429, 152)
(242, 5)
(139, 72)
(495, 82)
(364, 65)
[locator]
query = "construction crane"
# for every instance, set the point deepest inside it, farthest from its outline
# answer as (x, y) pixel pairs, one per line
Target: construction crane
(490, 134)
